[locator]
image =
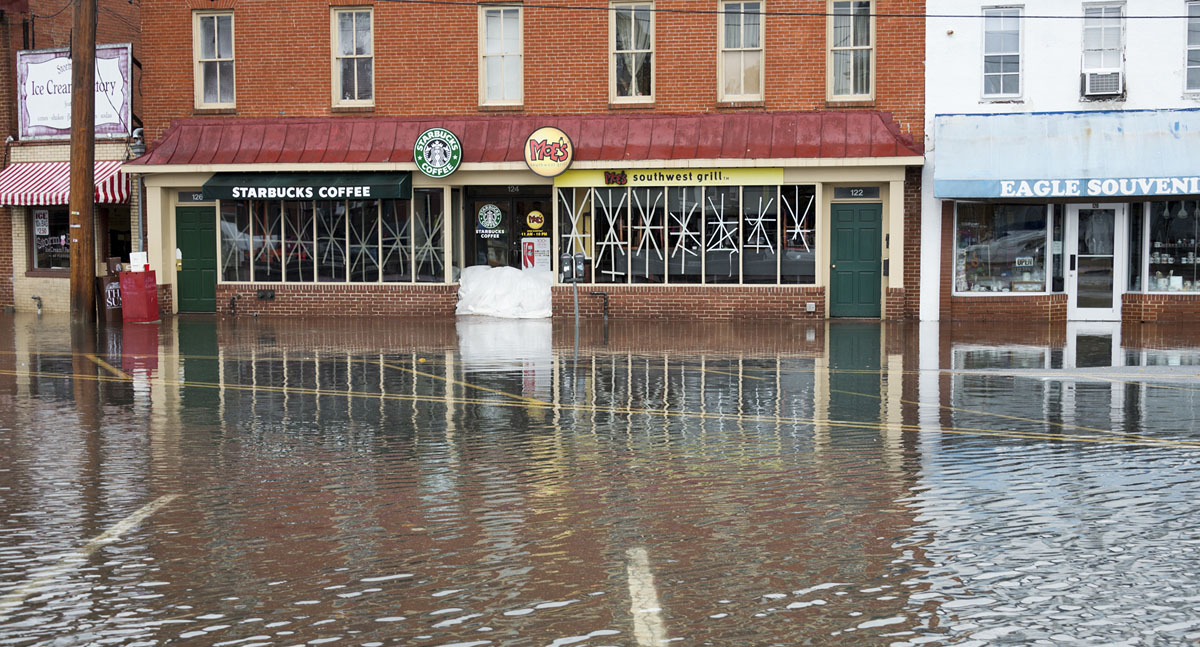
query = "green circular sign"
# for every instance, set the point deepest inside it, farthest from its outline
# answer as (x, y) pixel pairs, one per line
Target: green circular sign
(437, 152)
(490, 216)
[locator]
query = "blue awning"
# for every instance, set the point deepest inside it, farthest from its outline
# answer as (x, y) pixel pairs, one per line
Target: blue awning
(1089, 155)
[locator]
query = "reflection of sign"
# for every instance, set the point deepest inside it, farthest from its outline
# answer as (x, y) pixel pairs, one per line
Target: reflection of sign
(535, 253)
(41, 222)
(535, 220)
(437, 152)
(489, 220)
(44, 92)
(1023, 261)
(671, 177)
(548, 151)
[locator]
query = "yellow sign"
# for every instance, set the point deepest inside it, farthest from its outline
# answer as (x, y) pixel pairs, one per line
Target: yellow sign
(535, 220)
(671, 177)
(548, 151)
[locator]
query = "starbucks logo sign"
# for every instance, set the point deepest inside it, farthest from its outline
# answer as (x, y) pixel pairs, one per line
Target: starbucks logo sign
(437, 152)
(490, 216)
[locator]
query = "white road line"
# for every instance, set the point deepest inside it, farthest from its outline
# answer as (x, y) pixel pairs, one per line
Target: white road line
(648, 626)
(74, 559)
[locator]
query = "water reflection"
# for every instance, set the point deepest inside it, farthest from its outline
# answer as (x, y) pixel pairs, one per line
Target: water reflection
(478, 482)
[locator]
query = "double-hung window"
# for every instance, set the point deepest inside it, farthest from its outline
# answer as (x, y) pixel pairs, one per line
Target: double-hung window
(353, 58)
(631, 68)
(1193, 47)
(1103, 49)
(851, 50)
(1002, 52)
(741, 65)
(500, 56)
(213, 47)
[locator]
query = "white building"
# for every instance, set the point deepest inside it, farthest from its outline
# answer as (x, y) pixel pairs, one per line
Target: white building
(1062, 175)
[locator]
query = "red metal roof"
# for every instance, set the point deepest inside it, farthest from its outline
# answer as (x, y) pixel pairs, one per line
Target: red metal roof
(617, 138)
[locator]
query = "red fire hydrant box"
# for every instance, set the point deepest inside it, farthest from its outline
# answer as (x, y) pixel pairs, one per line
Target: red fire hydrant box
(139, 296)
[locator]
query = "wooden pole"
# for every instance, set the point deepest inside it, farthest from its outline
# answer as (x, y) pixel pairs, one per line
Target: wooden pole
(83, 156)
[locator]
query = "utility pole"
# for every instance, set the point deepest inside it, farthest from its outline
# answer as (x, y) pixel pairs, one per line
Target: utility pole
(83, 157)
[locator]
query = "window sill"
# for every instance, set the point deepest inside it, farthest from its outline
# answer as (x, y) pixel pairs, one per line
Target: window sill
(631, 105)
(1002, 100)
(214, 111)
(351, 109)
(490, 107)
(734, 105)
(48, 274)
(850, 103)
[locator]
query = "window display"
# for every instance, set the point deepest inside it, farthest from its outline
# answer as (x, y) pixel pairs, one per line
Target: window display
(1000, 248)
(51, 251)
(1173, 254)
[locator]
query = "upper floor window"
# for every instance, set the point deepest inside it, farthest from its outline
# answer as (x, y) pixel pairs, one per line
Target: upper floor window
(851, 50)
(1002, 52)
(353, 58)
(500, 55)
(1103, 49)
(213, 47)
(741, 66)
(1193, 47)
(631, 68)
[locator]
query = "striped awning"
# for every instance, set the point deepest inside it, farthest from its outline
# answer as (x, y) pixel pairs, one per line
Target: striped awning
(49, 183)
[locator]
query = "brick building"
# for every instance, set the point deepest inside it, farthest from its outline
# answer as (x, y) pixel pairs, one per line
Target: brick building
(718, 159)
(34, 37)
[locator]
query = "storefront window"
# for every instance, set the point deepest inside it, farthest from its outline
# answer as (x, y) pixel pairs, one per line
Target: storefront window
(364, 241)
(686, 216)
(798, 205)
(760, 218)
(52, 251)
(1000, 248)
(235, 241)
(1136, 220)
(298, 240)
(610, 213)
(267, 241)
(428, 217)
(331, 241)
(646, 223)
(722, 235)
(397, 243)
(1173, 250)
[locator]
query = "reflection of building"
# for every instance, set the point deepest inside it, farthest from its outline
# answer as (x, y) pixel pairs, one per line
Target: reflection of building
(1061, 186)
(34, 184)
(757, 187)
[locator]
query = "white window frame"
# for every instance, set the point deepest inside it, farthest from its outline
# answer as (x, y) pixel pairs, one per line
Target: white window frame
(1120, 69)
(613, 97)
(336, 58)
(484, 56)
(1193, 11)
(830, 50)
(1002, 12)
(198, 60)
(723, 51)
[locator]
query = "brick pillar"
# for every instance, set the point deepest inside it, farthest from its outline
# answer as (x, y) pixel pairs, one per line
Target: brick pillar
(946, 283)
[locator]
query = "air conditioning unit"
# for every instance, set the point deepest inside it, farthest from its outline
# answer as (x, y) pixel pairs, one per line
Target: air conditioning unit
(1102, 82)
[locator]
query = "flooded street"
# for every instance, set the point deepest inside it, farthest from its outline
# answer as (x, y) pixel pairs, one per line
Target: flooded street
(489, 482)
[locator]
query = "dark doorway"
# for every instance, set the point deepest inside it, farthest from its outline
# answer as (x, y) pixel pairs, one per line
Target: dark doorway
(498, 218)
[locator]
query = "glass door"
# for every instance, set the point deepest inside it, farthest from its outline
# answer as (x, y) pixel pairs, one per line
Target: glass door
(1096, 248)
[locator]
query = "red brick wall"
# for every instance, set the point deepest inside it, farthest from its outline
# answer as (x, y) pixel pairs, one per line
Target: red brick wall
(398, 300)
(6, 257)
(1175, 308)
(707, 303)
(426, 59)
(912, 243)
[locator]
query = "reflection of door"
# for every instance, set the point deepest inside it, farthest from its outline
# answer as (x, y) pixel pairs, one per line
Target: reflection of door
(855, 267)
(196, 236)
(1096, 243)
(855, 383)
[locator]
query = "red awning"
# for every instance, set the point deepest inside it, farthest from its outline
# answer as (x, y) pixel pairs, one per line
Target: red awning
(617, 138)
(49, 183)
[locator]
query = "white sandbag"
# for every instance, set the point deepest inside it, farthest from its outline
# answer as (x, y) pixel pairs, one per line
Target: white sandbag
(504, 292)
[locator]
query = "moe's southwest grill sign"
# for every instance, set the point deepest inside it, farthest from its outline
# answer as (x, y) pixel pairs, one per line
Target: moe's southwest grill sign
(548, 151)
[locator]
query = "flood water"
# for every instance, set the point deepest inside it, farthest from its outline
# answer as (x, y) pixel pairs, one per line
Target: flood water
(484, 482)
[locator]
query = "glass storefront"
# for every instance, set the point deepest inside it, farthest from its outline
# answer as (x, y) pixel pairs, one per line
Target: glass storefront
(1172, 251)
(692, 234)
(1001, 248)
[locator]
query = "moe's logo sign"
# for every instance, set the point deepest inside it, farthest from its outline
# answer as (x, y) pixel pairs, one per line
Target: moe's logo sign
(548, 151)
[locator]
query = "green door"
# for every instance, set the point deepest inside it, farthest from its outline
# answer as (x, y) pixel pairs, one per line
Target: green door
(196, 236)
(854, 267)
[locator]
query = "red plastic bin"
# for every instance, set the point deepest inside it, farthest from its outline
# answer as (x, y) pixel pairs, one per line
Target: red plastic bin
(139, 296)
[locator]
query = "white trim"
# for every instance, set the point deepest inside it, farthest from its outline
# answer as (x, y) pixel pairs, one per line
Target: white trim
(482, 59)
(197, 67)
(829, 65)
(612, 53)
(722, 51)
(983, 54)
(335, 85)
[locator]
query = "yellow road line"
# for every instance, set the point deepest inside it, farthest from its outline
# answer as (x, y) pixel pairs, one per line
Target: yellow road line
(466, 385)
(108, 367)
